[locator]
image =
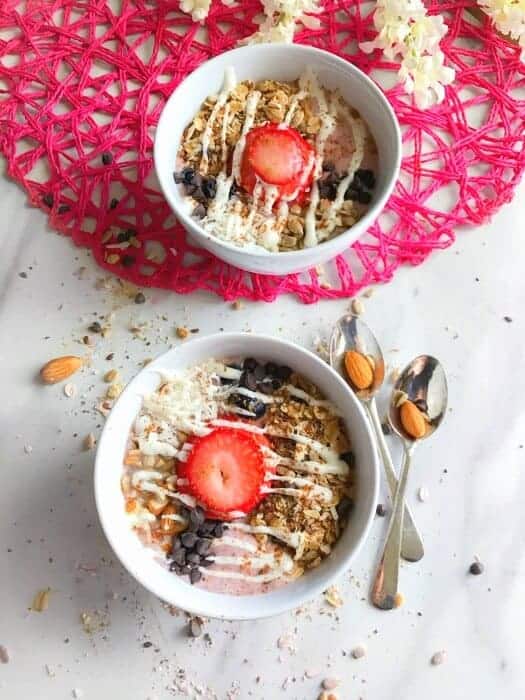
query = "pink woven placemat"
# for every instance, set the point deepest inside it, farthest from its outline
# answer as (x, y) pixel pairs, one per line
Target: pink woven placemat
(82, 85)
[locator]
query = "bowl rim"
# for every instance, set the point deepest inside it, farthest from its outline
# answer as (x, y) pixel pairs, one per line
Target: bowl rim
(299, 255)
(289, 604)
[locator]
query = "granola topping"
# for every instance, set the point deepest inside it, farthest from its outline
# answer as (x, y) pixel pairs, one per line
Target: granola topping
(322, 197)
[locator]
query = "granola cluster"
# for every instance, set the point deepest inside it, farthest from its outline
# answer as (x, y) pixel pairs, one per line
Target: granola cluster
(278, 99)
(319, 520)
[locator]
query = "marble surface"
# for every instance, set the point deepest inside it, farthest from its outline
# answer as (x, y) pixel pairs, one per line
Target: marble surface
(453, 306)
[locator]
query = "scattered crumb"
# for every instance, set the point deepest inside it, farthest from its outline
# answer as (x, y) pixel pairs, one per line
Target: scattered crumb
(508, 319)
(195, 626)
(237, 305)
(381, 510)
(70, 390)
(4, 655)
(357, 306)
(77, 693)
(368, 292)
(312, 672)
(438, 658)
(399, 599)
(330, 683)
(287, 641)
(89, 442)
(28, 449)
(423, 494)
(359, 651)
(50, 671)
(110, 376)
(114, 390)
(41, 600)
(476, 568)
(333, 597)
(182, 332)
(139, 298)
(328, 696)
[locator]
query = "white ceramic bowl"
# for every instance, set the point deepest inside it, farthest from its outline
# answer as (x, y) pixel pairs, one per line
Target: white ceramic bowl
(279, 62)
(143, 562)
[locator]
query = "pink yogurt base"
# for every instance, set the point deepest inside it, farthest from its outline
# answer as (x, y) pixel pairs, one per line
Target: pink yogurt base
(228, 586)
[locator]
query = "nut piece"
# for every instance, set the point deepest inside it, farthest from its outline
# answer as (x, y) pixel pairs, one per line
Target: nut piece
(359, 370)
(41, 600)
(181, 332)
(60, 368)
(412, 420)
(111, 375)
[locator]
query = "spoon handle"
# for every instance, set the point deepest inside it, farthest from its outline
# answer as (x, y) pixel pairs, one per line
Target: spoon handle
(411, 544)
(384, 589)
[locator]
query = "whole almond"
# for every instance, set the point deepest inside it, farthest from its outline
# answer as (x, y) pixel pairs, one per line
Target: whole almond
(358, 369)
(60, 368)
(412, 420)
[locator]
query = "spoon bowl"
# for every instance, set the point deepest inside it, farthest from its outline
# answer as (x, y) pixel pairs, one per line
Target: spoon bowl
(350, 333)
(423, 381)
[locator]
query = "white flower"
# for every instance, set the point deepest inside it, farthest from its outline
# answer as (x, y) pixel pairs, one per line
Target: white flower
(281, 20)
(408, 34)
(508, 17)
(198, 9)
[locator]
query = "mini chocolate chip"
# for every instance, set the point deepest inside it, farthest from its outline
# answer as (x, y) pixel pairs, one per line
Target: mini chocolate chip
(328, 166)
(179, 557)
(259, 372)
(249, 381)
(197, 179)
(199, 212)
(266, 387)
(186, 176)
(366, 178)
(195, 575)
(188, 539)
(64, 208)
(352, 193)
(349, 458)
(196, 518)
(276, 384)
(380, 510)
(258, 408)
(283, 372)
(209, 187)
(107, 158)
(249, 364)
(147, 645)
(139, 298)
(176, 544)
(114, 203)
(207, 527)
(186, 570)
(110, 356)
(344, 507)
(124, 236)
(203, 546)
(218, 530)
(175, 567)
(48, 200)
(127, 260)
(193, 558)
(327, 190)
(271, 368)
(95, 327)
(364, 197)
(476, 568)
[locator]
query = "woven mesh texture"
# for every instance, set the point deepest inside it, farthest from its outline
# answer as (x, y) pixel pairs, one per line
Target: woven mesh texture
(83, 82)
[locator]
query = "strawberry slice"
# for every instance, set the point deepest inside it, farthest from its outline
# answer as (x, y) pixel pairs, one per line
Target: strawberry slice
(226, 470)
(278, 156)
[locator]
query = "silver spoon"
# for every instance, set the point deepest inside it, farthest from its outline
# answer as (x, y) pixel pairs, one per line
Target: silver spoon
(350, 333)
(422, 382)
